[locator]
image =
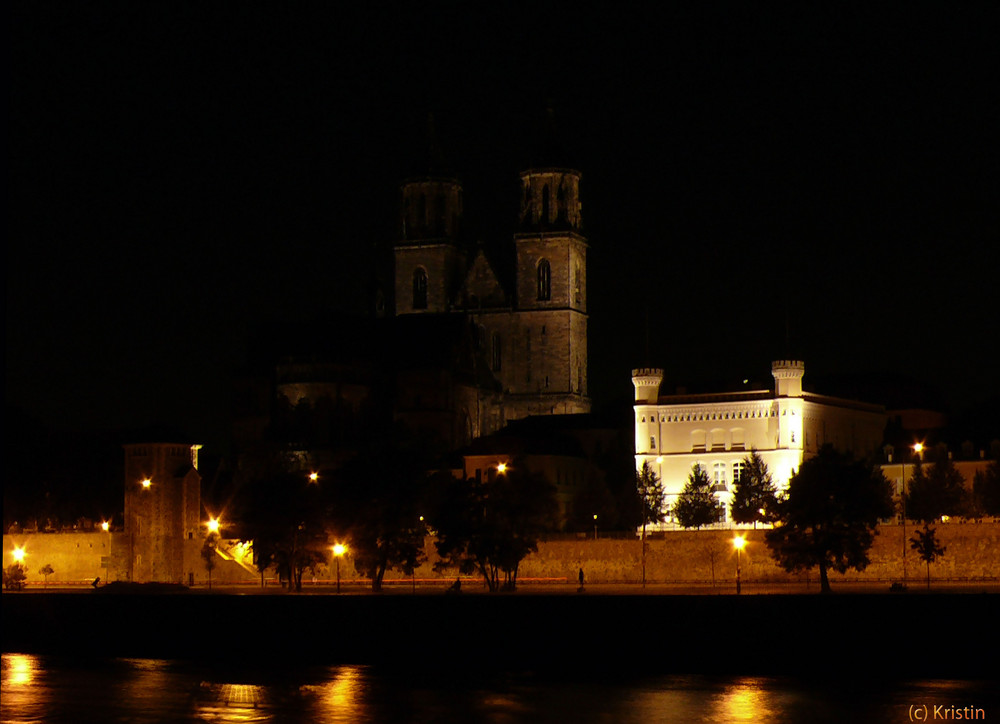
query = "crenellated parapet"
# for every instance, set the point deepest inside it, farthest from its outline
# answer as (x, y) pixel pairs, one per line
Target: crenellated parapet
(647, 381)
(788, 375)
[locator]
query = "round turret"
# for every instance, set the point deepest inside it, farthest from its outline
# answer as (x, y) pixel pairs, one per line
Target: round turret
(788, 375)
(647, 381)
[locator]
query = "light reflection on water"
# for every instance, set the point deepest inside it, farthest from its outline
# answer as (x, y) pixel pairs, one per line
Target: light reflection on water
(40, 688)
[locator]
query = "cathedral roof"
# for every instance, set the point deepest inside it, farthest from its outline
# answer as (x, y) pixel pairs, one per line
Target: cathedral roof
(481, 289)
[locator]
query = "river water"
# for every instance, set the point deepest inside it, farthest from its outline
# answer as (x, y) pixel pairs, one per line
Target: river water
(38, 688)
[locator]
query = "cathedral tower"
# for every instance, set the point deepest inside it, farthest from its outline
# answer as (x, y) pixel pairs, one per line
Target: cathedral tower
(429, 263)
(551, 284)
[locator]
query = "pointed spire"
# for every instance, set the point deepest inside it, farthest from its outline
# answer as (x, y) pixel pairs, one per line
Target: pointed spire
(547, 150)
(433, 163)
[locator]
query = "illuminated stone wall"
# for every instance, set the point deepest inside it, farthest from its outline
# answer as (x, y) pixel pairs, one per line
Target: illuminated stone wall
(79, 558)
(76, 558)
(971, 552)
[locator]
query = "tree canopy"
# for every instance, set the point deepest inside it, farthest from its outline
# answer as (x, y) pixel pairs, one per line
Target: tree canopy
(926, 544)
(936, 492)
(755, 497)
(697, 505)
(490, 527)
(829, 515)
(377, 506)
(986, 490)
(650, 493)
(284, 514)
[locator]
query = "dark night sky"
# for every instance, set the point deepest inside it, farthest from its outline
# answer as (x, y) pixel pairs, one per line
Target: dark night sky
(184, 175)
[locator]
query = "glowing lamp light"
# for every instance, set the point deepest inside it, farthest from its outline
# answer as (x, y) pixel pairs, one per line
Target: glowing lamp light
(18, 554)
(339, 549)
(213, 525)
(146, 482)
(739, 542)
(918, 447)
(105, 526)
(501, 467)
(313, 477)
(659, 460)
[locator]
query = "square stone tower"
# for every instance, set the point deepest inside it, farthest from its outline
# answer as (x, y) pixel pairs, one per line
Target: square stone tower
(162, 511)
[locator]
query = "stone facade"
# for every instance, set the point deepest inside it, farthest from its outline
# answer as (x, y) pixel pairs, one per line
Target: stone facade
(531, 331)
(162, 511)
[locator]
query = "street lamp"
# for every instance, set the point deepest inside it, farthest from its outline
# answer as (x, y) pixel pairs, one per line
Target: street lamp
(18, 554)
(501, 467)
(338, 550)
(917, 449)
(146, 482)
(738, 543)
(595, 526)
(213, 525)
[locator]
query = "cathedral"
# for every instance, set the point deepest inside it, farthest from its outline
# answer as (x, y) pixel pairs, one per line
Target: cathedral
(459, 344)
(532, 329)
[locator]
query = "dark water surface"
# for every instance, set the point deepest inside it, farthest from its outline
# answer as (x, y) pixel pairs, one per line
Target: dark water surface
(48, 688)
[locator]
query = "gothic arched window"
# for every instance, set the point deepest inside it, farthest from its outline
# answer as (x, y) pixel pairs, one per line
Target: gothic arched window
(544, 281)
(420, 289)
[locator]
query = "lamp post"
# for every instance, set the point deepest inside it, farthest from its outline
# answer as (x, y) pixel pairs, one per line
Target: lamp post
(738, 543)
(595, 526)
(338, 551)
(917, 449)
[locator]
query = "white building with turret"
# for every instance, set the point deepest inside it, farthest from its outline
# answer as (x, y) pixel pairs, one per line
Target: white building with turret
(786, 425)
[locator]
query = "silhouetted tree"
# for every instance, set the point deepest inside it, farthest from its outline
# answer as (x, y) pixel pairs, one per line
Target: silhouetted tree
(46, 571)
(937, 492)
(697, 505)
(986, 490)
(652, 506)
(755, 496)
(284, 514)
(829, 515)
(592, 499)
(925, 543)
(377, 504)
(490, 527)
(13, 576)
(649, 489)
(208, 555)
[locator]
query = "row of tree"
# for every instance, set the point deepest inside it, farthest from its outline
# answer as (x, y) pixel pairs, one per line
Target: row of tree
(930, 494)
(828, 516)
(383, 505)
(940, 490)
(755, 496)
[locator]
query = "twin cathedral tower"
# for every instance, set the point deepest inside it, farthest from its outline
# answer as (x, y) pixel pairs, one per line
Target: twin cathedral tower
(531, 330)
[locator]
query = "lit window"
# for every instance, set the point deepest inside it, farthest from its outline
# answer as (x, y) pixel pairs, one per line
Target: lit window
(737, 471)
(719, 477)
